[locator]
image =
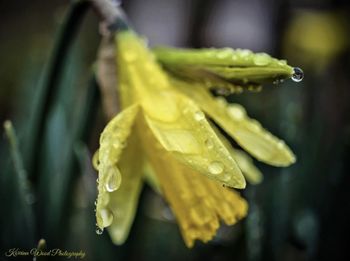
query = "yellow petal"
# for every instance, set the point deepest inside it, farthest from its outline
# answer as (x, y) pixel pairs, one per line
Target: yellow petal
(112, 142)
(247, 132)
(124, 201)
(191, 140)
(197, 202)
(151, 178)
(175, 120)
(244, 161)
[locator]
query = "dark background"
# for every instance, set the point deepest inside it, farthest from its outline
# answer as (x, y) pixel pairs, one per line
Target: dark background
(48, 185)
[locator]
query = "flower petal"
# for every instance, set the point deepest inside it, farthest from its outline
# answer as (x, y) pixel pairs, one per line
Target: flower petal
(191, 140)
(251, 173)
(175, 120)
(124, 201)
(197, 202)
(225, 68)
(247, 132)
(245, 163)
(112, 142)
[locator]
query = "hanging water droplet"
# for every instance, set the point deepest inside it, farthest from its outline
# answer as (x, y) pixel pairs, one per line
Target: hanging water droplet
(209, 143)
(216, 167)
(198, 116)
(236, 112)
(97, 180)
(106, 217)
(261, 59)
(113, 179)
(298, 74)
(99, 231)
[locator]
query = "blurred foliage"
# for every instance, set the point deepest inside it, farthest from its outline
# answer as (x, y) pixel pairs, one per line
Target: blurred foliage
(50, 94)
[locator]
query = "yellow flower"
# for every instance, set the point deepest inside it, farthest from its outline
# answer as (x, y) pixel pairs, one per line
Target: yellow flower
(163, 134)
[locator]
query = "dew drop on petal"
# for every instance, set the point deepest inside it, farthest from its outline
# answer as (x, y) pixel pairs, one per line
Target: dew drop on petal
(106, 217)
(236, 112)
(298, 74)
(199, 116)
(113, 179)
(216, 167)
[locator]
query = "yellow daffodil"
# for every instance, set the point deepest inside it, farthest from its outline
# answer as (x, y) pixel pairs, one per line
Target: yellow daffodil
(164, 134)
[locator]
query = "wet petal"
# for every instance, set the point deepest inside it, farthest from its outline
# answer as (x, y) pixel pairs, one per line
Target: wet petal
(225, 68)
(197, 202)
(247, 132)
(245, 163)
(251, 173)
(124, 201)
(175, 120)
(151, 178)
(191, 140)
(112, 143)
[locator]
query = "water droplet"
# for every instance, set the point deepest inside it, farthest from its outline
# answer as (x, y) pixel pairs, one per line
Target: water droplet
(99, 231)
(97, 180)
(216, 167)
(244, 52)
(225, 53)
(278, 81)
(298, 74)
(261, 59)
(106, 217)
(199, 116)
(209, 143)
(113, 179)
(130, 56)
(282, 62)
(236, 112)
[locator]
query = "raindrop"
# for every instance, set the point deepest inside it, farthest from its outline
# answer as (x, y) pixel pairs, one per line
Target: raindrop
(261, 59)
(199, 116)
(113, 179)
(106, 217)
(216, 167)
(99, 231)
(236, 112)
(298, 74)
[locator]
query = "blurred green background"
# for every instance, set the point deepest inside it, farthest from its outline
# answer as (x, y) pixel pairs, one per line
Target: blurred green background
(49, 92)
